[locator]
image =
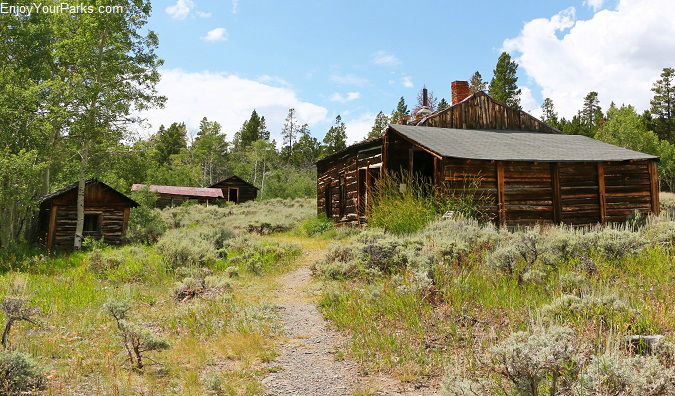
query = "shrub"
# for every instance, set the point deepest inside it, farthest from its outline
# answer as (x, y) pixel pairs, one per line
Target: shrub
(531, 360)
(612, 374)
(15, 309)
(317, 225)
(607, 309)
(99, 262)
(19, 374)
(137, 340)
(256, 256)
(186, 247)
(232, 272)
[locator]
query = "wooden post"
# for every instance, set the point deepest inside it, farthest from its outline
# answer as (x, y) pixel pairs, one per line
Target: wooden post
(555, 185)
(411, 153)
(601, 193)
(501, 208)
(384, 151)
(125, 224)
(51, 228)
(437, 178)
(654, 187)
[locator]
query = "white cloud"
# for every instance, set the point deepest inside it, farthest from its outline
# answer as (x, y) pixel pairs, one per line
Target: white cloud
(407, 81)
(235, 6)
(336, 97)
(527, 101)
(266, 78)
(385, 59)
(181, 9)
(228, 99)
(619, 53)
(359, 127)
(203, 14)
(217, 34)
(349, 79)
(594, 4)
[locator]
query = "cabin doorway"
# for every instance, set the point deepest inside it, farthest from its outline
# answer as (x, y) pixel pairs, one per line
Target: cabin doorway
(423, 165)
(233, 195)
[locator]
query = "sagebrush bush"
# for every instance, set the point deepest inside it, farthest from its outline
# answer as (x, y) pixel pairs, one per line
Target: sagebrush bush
(255, 256)
(187, 247)
(19, 374)
(609, 310)
(317, 225)
(536, 359)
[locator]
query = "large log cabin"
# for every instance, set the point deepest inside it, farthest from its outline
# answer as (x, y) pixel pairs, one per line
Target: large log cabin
(527, 171)
(106, 215)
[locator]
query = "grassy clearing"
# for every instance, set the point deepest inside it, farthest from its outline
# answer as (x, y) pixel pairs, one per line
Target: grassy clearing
(204, 288)
(457, 298)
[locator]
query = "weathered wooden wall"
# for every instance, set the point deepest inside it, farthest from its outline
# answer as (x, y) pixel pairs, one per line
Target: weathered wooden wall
(58, 215)
(482, 112)
(341, 177)
(524, 193)
(247, 192)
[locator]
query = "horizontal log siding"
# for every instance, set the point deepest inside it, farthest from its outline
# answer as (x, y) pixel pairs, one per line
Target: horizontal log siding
(483, 112)
(627, 188)
(579, 199)
(461, 175)
(528, 193)
(112, 225)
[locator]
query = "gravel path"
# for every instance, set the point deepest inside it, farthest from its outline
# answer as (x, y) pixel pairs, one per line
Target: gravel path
(308, 359)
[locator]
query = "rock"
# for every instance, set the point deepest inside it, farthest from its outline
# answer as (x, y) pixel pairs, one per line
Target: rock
(642, 344)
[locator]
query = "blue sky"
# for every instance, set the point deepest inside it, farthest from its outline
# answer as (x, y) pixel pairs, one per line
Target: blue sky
(355, 58)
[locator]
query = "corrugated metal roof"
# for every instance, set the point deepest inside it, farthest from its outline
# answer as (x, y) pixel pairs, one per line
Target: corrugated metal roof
(509, 145)
(175, 190)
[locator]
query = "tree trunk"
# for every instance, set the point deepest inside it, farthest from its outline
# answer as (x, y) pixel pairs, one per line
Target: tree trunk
(79, 228)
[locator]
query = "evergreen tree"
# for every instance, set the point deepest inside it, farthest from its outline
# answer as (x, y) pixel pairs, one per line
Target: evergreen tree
(591, 114)
(380, 126)
(253, 129)
(336, 138)
(476, 83)
(289, 133)
(169, 142)
(663, 106)
(442, 105)
(306, 150)
(503, 85)
(573, 126)
(549, 114)
(401, 113)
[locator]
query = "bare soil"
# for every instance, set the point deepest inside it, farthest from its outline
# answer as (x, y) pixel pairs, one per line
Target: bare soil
(309, 362)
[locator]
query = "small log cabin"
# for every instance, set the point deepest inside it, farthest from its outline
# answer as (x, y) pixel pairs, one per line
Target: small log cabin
(527, 172)
(106, 215)
(236, 189)
(174, 195)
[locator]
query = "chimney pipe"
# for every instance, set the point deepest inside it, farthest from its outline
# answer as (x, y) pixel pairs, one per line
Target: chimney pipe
(425, 100)
(460, 91)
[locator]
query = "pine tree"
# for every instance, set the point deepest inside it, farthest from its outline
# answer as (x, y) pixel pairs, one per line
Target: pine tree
(253, 129)
(663, 106)
(306, 150)
(442, 105)
(549, 114)
(336, 137)
(476, 83)
(289, 133)
(503, 85)
(380, 126)
(169, 142)
(591, 114)
(401, 113)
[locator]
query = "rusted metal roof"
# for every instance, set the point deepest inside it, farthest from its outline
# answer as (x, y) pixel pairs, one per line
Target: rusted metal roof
(185, 191)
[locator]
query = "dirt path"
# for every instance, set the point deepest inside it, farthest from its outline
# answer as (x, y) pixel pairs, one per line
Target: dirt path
(307, 361)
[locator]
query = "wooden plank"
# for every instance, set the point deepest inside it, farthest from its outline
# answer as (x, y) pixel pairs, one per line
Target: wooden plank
(125, 223)
(52, 225)
(500, 193)
(601, 193)
(555, 185)
(654, 187)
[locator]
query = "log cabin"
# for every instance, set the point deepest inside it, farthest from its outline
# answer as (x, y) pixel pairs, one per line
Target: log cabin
(236, 190)
(106, 215)
(525, 171)
(174, 195)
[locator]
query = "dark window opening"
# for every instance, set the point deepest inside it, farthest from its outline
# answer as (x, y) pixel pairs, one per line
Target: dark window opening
(363, 191)
(343, 197)
(92, 222)
(328, 200)
(423, 165)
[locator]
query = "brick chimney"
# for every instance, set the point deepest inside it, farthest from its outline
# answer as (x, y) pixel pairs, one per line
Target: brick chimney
(460, 90)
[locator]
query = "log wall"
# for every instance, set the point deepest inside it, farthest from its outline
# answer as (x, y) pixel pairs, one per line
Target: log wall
(247, 192)
(113, 225)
